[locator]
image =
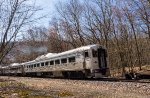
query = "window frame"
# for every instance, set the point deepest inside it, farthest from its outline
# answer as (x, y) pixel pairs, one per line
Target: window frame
(34, 65)
(51, 62)
(72, 59)
(31, 66)
(56, 63)
(62, 60)
(38, 64)
(46, 63)
(42, 64)
(94, 53)
(86, 54)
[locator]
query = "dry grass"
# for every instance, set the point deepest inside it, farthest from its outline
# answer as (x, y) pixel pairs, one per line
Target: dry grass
(65, 94)
(13, 89)
(35, 89)
(118, 71)
(146, 67)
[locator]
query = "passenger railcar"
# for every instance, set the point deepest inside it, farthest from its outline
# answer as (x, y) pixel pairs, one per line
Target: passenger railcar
(83, 62)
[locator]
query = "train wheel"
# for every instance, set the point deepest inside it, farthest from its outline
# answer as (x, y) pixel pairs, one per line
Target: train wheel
(129, 76)
(65, 74)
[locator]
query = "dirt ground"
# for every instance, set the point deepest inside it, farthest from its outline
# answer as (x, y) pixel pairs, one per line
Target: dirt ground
(10, 88)
(26, 87)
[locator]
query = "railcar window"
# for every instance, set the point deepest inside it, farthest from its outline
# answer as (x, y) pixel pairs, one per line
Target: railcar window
(72, 59)
(42, 64)
(51, 62)
(34, 65)
(57, 61)
(38, 65)
(46, 63)
(64, 60)
(94, 53)
(86, 54)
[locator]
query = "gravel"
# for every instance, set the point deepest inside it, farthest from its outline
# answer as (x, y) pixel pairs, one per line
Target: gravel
(87, 88)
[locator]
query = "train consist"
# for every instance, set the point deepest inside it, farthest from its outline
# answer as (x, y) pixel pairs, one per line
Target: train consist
(83, 62)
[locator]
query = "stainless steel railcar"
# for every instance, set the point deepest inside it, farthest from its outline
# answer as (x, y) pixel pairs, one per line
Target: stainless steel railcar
(83, 62)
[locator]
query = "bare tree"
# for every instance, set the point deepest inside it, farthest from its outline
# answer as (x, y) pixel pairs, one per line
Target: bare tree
(143, 12)
(15, 14)
(55, 39)
(71, 19)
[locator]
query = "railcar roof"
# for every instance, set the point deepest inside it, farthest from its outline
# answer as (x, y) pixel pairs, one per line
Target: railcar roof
(53, 55)
(45, 56)
(80, 49)
(14, 64)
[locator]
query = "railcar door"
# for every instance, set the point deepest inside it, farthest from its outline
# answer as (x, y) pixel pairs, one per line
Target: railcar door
(102, 61)
(87, 59)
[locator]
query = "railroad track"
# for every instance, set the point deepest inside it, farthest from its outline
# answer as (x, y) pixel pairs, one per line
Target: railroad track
(92, 79)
